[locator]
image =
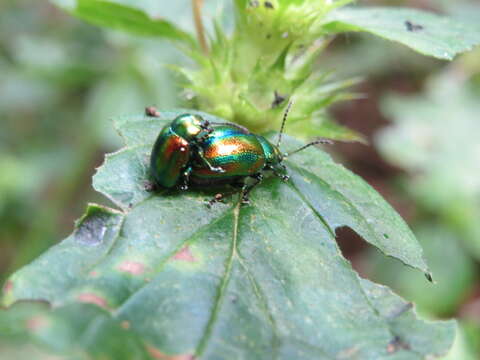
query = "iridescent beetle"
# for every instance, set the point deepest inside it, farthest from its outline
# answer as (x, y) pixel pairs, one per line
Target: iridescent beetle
(216, 154)
(170, 161)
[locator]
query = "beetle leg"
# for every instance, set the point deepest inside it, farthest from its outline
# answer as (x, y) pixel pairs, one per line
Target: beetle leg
(204, 137)
(279, 171)
(282, 173)
(186, 178)
(216, 169)
(247, 188)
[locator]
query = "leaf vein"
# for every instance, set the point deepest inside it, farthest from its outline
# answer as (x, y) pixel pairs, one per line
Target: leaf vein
(223, 285)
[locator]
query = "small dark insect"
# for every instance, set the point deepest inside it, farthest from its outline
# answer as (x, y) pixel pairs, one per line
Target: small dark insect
(413, 27)
(278, 99)
(254, 3)
(268, 5)
(152, 111)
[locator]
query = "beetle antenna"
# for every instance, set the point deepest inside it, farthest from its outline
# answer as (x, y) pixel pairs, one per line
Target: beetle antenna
(316, 142)
(285, 115)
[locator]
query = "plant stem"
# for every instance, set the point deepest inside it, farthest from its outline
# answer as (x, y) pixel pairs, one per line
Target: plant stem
(197, 17)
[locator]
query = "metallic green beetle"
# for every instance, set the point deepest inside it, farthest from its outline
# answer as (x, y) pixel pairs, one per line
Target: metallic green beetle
(172, 151)
(241, 154)
(225, 154)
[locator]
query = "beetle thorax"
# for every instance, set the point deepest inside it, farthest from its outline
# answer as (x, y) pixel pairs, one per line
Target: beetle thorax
(188, 126)
(273, 156)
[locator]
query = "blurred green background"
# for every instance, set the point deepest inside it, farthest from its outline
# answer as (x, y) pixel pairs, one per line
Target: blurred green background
(61, 80)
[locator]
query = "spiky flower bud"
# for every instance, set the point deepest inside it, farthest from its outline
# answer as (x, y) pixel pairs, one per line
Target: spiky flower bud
(250, 76)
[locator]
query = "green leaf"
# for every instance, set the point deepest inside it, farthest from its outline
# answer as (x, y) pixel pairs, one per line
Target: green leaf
(453, 283)
(122, 17)
(434, 137)
(427, 33)
(168, 276)
(467, 342)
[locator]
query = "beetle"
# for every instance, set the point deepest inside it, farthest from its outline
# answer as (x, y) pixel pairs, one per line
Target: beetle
(174, 146)
(242, 155)
(224, 154)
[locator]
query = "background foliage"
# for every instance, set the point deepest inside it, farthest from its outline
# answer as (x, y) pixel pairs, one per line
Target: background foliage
(60, 79)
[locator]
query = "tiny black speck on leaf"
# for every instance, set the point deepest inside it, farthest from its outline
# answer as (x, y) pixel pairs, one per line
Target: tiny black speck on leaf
(413, 27)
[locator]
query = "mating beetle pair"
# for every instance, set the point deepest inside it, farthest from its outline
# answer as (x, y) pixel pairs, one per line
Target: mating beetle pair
(192, 151)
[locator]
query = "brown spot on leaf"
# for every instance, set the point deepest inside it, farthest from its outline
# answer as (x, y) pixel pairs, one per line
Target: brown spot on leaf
(7, 287)
(132, 267)
(184, 255)
(36, 323)
(157, 354)
(91, 298)
(125, 324)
